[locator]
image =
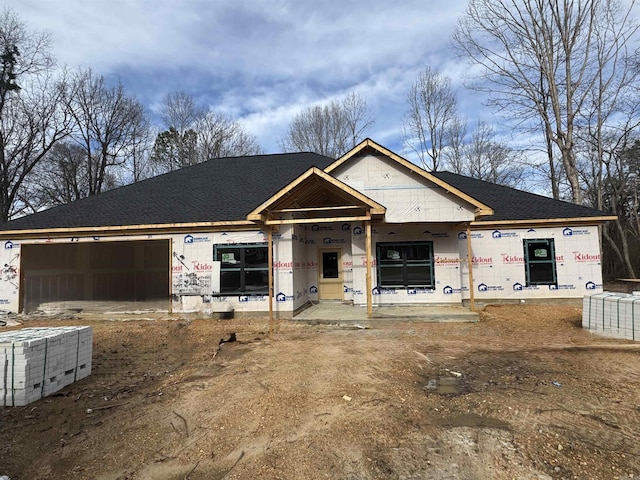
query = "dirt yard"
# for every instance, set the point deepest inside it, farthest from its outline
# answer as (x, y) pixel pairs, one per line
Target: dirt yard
(523, 394)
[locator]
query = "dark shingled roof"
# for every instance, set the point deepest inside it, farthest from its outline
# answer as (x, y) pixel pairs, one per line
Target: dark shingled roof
(511, 204)
(227, 189)
(224, 189)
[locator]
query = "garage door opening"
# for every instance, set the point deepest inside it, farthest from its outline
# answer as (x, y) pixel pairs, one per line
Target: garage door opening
(95, 276)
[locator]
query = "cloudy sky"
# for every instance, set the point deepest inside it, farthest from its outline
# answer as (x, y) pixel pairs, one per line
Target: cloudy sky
(261, 62)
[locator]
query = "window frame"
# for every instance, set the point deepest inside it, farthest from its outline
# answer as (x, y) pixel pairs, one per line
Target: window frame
(241, 267)
(405, 265)
(529, 262)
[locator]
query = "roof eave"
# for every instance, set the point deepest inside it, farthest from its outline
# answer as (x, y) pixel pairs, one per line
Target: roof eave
(113, 230)
(545, 221)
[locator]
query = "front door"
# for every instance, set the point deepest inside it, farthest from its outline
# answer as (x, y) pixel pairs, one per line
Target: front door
(330, 273)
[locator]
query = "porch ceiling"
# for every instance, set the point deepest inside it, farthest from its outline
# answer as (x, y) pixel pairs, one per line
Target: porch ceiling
(316, 196)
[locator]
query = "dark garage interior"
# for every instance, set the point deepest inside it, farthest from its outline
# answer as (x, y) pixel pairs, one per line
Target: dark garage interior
(124, 271)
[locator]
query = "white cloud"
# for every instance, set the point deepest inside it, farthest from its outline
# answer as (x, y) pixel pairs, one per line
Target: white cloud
(260, 61)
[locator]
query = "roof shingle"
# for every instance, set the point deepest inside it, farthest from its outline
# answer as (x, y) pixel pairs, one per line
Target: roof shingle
(224, 189)
(510, 204)
(227, 189)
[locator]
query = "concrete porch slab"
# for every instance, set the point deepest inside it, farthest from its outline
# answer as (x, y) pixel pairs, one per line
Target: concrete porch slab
(344, 312)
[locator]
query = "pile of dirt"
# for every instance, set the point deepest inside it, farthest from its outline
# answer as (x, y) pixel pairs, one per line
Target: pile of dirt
(524, 393)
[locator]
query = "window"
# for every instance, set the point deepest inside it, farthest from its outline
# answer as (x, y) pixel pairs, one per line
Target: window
(407, 264)
(540, 262)
(330, 267)
(244, 269)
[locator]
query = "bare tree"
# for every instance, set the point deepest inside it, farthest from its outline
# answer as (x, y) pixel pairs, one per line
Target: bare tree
(540, 58)
(60, 178)
(31, 120)
(24, 53)
(180, 111)
(610, 116)
(485, 158)
(619, 194)
(220, 136)
(453, 154)
(108, 124)
(176, 145)
(357, 117)
(432, 113)
(139, 164)
(194, 135)
(330, 129)
(613, 183)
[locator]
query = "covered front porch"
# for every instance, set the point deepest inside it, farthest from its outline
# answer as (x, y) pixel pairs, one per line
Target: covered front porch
(371, 229)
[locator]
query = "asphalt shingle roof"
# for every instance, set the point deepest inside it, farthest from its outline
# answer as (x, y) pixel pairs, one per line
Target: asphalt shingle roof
(224, 189)
(227, 189)
(510, 204)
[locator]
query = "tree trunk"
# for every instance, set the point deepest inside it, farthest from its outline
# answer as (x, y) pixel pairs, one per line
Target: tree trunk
(623, 255)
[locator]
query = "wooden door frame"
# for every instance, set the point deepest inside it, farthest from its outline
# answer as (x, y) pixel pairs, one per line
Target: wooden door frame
(340, 278)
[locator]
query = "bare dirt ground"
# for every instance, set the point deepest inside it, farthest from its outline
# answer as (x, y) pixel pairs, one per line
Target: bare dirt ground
(167, 401)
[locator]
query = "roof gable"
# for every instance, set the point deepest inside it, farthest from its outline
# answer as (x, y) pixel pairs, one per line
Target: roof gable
(315, 196)
(369, 145)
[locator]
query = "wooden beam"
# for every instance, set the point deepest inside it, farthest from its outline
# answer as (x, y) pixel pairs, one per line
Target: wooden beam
(314, 209)
(170, 275)
(256, 217)
(544, 221)
(270, 278)
(22, 285)
(319, 220)
(156, 229)
(483, 212)
(472, 302)
(367, 228)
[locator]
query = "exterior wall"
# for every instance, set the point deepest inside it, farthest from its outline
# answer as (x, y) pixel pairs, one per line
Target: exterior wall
(283, 274)
(326, 235)
(193, 273)
(288, 295)
(300, 272)
(407, 196)
(499, 268)
(10, 276)
(446, 265)
(498, 265)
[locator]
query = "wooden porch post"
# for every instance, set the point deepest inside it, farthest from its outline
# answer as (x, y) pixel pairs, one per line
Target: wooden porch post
(170, 275)
(472, 301)
(270, 277)
(367, 227)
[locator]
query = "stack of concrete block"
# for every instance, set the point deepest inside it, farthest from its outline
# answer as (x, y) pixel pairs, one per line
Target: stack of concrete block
(36, 362)
(612, 314)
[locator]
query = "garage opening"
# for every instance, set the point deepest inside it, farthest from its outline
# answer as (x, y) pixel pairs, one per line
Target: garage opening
(84, 275)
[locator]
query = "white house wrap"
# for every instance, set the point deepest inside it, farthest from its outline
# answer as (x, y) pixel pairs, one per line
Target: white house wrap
(272, 233)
